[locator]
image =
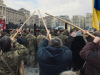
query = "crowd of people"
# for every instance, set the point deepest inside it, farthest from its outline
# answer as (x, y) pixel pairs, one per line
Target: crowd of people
(67, 52)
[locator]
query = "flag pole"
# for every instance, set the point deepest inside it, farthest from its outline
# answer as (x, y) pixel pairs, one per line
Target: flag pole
(45, 25)
(71, 24)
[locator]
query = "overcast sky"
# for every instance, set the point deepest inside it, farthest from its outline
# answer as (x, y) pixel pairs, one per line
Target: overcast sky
(54, 7)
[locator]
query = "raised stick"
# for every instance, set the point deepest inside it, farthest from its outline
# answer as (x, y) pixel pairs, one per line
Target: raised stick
(71, 24)
(21, 67)
(23, 24)
(45, 25)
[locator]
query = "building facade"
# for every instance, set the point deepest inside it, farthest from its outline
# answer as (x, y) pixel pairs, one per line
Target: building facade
(89, 20)
(49, 21)
(15, 16)
(35, 20)
(64, 17)
(2, 10)
(79, 21)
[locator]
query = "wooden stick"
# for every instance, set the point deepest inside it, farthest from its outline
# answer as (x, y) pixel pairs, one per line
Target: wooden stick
(71, 24)
(23, 24)
(45, 25)
(21, 67)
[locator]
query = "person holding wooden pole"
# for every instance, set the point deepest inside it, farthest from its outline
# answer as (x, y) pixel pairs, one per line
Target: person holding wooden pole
(52, 56)
(90, 53)
(13, 55)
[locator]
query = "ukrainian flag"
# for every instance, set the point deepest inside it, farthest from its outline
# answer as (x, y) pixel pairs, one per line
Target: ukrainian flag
(96, 14)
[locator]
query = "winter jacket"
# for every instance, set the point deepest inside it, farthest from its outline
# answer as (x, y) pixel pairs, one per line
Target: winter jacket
(91, 54)
(20, 41)
(90, 39)
(69, 41)
(53, 61)
(77, 44)
(24, 37)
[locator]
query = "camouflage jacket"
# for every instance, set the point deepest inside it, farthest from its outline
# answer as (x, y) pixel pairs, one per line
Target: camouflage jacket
(31, 43)
(13, 58)
(40, 38)
(63, 39)
(12, 35)
(24, 36)
(53, 35)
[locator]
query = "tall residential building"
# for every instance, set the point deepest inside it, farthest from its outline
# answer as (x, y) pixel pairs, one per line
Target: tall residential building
(41, 22)
(35, 20)
(49, 21)
(89, 20)
(79, 21)
(64, 17)
(55, 22)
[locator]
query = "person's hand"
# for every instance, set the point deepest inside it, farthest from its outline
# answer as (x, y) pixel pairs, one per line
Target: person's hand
(80, 31)
(79, 73)
(96, 40)
(12, 39)
(85, 34)
(48, 35)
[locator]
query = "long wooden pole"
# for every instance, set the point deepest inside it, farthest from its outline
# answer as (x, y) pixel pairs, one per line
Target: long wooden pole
(24, 24)
(71, 24)
(21, 67)
(45, 25)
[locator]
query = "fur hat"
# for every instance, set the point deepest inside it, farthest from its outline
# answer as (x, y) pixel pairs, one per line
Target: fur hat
(55, 42)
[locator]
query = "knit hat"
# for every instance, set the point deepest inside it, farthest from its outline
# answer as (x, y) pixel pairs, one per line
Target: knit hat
(55, 42)
(31, 31)
(78, 33)
(43, 31)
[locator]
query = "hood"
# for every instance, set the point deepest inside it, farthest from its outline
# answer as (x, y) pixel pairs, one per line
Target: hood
(53, 53)
(78, 38)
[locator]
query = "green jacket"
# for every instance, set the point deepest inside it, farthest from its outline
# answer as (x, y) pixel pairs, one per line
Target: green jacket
(31, 43)
(63, 39)
(24, 36)
(40, 38)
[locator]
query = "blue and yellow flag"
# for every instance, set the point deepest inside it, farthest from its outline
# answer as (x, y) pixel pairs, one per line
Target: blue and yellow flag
(96, 14)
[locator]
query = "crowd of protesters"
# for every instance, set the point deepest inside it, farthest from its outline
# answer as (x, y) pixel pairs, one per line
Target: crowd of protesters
(67, 52)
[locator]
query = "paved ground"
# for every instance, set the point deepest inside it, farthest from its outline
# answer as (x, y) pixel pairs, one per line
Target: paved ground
(30, 70)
